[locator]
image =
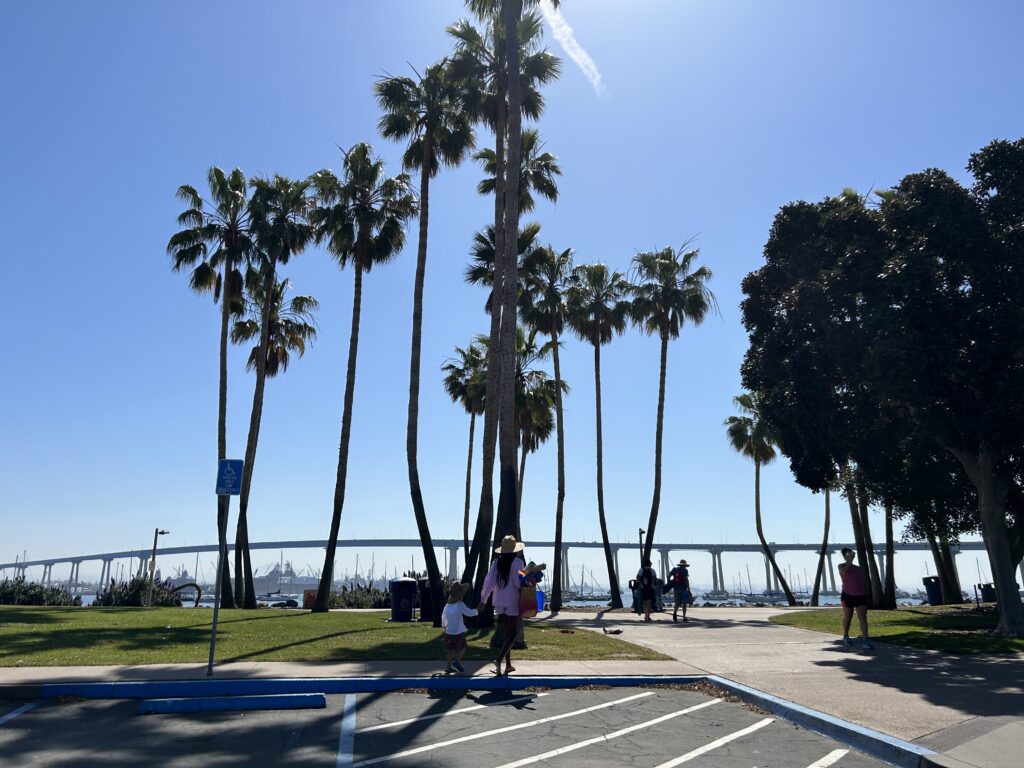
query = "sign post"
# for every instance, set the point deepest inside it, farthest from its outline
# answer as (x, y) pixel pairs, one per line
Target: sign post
(229, 483)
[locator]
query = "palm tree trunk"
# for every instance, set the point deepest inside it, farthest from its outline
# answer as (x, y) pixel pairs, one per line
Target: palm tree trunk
(245, 594)
(556, 578)
(506, 517)
(652, 522)
(889, 588)
(855, 520)
(613, 581)
(519, 490)
(760, 535)
(877, 594)
(412, 429)
(227, 597)
(824, 548)
(323, 593)
(469, 485)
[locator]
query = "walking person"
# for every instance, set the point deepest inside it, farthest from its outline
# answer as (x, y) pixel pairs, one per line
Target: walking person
(679, 581)
(501, 585)
(646, 576)
(855, 598)
(454, 637)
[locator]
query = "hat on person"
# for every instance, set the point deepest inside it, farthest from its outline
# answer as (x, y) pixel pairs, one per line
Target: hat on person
(509, 545)
(456, 592)
(684, 563)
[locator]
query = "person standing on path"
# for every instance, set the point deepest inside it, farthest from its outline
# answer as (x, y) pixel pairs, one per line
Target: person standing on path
(679, 581)
(501, 585)
(454, 637)
(646, 576)
(854, 597)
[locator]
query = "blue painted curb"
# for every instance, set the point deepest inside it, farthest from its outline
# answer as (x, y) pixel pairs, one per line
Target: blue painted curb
(232, 703)
(888, 748)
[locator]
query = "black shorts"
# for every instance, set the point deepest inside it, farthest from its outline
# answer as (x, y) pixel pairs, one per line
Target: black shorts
(647, 593)
(854, 601)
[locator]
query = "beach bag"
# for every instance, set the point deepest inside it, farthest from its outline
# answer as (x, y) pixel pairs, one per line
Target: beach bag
(528, 601)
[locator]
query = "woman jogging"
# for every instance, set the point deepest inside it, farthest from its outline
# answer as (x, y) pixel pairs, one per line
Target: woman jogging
(502, 586)
(855, 597)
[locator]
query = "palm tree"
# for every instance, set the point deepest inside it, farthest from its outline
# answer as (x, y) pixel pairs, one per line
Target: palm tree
(752, 436)
(216, 236)
(361, 218)
(596, 310)
(480, 270)
(546, 284)
(465, 384)
(278, 209)
(667, 293)
(429, 113)
(292, 326)
(537, 173)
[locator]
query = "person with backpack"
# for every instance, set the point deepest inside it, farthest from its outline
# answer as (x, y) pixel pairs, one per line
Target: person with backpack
(645, 577)
(679, 582)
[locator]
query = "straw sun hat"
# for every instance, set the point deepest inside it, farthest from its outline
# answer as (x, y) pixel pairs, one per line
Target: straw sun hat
(456, 592)
(508, 545)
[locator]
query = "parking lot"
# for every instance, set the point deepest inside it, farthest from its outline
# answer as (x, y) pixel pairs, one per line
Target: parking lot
(641, 727)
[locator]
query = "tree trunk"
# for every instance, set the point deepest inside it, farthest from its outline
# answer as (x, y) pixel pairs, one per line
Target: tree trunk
(952, 577)
(940, 567)
(556, 577)
(469, 486)
(760, 535)
(227, 597)
(855, 522)
(613, 581)
(519, 490)
(652, 521)
(877, 594)
(323, 592)
(245, 594)
(889, 588)
(412, 430)
(824, 548)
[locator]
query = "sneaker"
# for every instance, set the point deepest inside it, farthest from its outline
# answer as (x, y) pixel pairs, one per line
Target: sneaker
(458, 665)
(448, 670)
(868, 646)
(847, 640)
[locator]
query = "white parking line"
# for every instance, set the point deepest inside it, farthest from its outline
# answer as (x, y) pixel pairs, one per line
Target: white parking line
(347, 737)
(830, 759)
(609, 737)
(453, 712)
(11, 715)
(715, 744)
(506, 729)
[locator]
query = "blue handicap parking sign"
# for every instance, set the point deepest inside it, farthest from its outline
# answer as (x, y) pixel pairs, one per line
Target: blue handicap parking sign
(229, 477)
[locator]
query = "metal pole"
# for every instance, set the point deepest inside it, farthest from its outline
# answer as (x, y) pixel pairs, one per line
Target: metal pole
(216, 610)
(152, 567)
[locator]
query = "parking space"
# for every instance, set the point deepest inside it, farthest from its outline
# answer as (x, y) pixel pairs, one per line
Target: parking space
(645, 728)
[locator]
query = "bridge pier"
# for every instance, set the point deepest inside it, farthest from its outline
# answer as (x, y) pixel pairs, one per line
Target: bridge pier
(453, 562)
(664, 564)
(767, 574)
(721, 573)
(714, 573)
(565, 569)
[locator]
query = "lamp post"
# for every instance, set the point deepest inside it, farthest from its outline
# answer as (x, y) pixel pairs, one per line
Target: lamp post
(152, 563)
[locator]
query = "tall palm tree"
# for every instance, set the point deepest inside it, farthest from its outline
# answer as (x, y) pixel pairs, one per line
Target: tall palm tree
(668, 291)
(597, 310)
(464, 382)
(279, 208)
(752, 436)
(480, 270)
(361, 218)
(537, 173)
(546, 281)
(429, 113)
(292, 326)
(216, 236)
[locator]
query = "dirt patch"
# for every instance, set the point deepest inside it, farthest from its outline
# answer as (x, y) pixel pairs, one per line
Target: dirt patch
(708, 689)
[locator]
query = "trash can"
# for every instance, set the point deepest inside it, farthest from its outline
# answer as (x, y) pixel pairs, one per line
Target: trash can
(540, 601)
(988, 592)
(934, 590)
(403, 598)
(426, 604)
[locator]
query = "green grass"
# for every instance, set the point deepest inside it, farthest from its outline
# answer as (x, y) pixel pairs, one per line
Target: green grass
(33, 636)
(953, 629)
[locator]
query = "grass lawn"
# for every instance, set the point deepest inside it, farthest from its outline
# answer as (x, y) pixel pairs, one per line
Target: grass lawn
(34, 636)
(949, 628)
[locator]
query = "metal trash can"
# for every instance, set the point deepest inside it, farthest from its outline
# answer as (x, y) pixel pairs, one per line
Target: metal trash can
(403, 598)
(988, 592)
(426, 604)
(934, 590)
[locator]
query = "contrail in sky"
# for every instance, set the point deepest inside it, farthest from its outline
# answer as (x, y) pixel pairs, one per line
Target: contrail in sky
(564, 35)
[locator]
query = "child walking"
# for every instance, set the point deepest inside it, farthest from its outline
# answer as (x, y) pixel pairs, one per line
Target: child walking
(454, 637)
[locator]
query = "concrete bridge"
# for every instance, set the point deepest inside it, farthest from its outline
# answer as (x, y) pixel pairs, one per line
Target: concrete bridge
(665, 552)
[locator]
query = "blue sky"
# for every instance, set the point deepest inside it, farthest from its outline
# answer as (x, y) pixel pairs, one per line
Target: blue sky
(713, 116)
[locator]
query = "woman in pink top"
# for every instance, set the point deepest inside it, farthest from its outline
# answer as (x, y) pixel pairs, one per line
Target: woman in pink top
(855, 597)
(502, 587)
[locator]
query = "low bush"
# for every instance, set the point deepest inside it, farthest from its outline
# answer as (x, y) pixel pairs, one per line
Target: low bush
(136, 593)
(19, 591)
(360, 597)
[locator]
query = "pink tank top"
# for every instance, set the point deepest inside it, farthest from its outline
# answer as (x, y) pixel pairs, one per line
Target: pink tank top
(853, 580)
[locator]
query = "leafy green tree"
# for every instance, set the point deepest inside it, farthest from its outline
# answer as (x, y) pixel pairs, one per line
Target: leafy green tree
(361, 219)
(464, 381)
(278, 211)
(751, 435)
(668, 291)
(597, 310)
(215, 242)
(429, 112)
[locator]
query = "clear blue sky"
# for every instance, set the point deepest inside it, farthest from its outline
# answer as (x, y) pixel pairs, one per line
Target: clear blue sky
(714, 115)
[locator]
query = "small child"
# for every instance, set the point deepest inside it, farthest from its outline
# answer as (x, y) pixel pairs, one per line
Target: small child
(454, 637)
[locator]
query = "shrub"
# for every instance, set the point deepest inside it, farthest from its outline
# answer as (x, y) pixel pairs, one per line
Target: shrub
(360, 597)
(21, 592)
(136, 592)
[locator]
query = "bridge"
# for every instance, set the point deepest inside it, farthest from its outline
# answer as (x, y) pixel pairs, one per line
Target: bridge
(452, 546)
